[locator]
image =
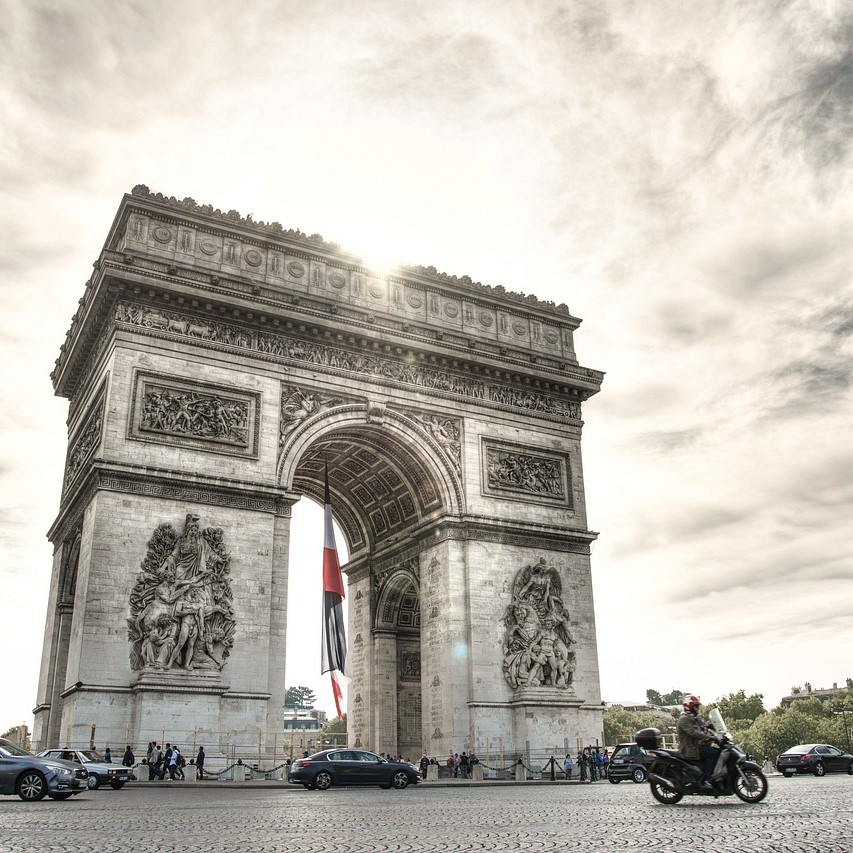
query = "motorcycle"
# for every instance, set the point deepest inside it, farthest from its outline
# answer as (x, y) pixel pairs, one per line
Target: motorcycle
(672, 777)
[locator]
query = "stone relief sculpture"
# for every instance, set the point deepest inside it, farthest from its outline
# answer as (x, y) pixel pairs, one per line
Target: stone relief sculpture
(181, 613)
(538, 638)
(522, 472)
(187, 413)
(298, 405)
(84, 446)
(446, 432)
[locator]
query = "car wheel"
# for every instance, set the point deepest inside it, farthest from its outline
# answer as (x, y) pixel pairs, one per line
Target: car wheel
(94, 781)
(638, 775)
(819, 769)
(787, 773)
(62, 796)
(664, 795)
(400, 779)
(850, 769)
(614, 781)
(32, 785)
(323, 780)
(117, 785)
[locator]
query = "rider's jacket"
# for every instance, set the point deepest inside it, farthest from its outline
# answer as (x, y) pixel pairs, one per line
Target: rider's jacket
(692, 732)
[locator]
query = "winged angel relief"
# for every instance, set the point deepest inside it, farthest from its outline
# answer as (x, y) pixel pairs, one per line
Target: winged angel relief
(181, 611)
(538, 637)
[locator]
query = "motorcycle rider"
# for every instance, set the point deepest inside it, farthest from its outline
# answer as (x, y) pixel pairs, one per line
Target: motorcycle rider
(695, 737)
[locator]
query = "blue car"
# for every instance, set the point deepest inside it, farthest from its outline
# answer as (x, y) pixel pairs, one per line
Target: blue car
(33, 778)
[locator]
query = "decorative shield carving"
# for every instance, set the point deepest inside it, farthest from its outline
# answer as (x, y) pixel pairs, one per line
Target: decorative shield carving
(181, 614)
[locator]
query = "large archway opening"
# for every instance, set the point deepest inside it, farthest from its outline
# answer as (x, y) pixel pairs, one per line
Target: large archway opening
(388, 485)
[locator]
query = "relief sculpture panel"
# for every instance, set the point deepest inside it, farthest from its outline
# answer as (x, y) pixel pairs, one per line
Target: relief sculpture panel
(181, 614)
(538, 637)
(520, 474)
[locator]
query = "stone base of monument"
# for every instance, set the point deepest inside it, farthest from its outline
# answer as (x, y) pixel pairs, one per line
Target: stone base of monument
(477, 773)
(520, 773)
(432, 773)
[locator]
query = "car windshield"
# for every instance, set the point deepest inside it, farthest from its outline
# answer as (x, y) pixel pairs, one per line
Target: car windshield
(13, 749)
(89, 755)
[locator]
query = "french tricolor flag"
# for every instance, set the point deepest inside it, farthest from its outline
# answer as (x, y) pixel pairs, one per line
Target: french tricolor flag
(334, 631)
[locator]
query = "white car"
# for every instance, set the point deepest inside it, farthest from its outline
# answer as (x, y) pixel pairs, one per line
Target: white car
(100, 773)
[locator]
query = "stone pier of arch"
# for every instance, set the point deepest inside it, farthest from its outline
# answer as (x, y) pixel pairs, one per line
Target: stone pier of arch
(215, 366)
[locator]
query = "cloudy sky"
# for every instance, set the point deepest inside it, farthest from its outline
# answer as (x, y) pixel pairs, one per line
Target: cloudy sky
(679, 174)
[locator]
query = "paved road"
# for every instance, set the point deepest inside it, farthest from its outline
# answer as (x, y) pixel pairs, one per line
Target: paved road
(801, 814)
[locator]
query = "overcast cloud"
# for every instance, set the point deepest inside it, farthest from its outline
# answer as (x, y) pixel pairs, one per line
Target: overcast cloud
(679, 175)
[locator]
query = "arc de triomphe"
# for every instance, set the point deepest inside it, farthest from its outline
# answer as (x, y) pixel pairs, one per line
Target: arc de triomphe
(214, 365)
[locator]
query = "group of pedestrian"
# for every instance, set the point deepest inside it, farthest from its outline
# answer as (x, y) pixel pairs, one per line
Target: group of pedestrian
(128, 759)
(592, 764)
(170, 762)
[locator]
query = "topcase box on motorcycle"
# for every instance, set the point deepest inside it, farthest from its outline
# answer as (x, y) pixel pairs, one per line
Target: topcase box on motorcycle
(649, 738)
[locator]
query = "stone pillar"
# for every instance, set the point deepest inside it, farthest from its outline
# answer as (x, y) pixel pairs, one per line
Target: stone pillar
(279, 573)
(385, 691)
(477, 772)
(65, 613)
(432, 773)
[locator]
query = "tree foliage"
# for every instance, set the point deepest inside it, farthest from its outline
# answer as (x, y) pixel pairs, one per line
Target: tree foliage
(738, 708)
(299, 697)
(620, 725)
(336, 726)
(655, 697)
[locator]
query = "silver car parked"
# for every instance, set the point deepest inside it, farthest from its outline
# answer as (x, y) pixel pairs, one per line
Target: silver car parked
(100, 772)
(32, 777)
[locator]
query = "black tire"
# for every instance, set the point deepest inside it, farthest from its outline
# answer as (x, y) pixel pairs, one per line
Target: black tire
(638, 775)
(117, 785)
(323, 780)
(751, 786)
(850, 769)
(31, 786)
(309, 785)
(94, 782)
(787, 773)
(664, 795)
(400, 780)
(819, 769)
(614, 781)
(62, 796)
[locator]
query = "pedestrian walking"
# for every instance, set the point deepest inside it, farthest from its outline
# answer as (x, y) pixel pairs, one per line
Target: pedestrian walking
(568, 765)
(108, 756)
(199, 763)
(154, 759)
(128, 759)
(463, 765)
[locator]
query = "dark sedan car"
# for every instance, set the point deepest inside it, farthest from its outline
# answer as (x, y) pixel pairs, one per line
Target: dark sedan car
(351, 767)
(627, 763)
(33, 778)
(817, 758)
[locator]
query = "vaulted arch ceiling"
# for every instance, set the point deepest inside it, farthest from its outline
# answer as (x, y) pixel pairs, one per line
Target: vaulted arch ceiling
(380, 488)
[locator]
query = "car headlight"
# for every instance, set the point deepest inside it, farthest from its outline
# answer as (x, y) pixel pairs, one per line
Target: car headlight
(61, 771)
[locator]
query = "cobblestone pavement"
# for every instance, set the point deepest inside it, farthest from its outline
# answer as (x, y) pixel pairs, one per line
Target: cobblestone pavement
(800, 814)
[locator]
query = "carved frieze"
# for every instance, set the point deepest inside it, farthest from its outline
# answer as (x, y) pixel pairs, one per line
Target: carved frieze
(83, 446)
(516, 472)
(181, 606)
(289, 348)
(538, 636)
(173, 410)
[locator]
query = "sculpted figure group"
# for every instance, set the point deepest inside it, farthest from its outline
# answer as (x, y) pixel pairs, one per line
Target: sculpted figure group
(538, 639)
(181, 605)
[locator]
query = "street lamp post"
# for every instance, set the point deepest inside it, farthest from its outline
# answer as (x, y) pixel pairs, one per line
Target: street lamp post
(843, 711)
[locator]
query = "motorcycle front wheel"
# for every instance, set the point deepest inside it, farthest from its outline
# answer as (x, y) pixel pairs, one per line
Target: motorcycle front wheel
(750, 785)
(664, 795)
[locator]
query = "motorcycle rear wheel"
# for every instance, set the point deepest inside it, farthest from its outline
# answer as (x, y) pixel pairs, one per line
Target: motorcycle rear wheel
(664, 795)
(750, 785)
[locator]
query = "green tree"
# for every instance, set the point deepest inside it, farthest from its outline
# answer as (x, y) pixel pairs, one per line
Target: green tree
(674, 697)
(299, 697)
(620, 725)
(738, 708)
(653, 697)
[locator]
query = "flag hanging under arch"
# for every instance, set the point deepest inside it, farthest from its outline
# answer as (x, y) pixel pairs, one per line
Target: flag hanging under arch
(334, 629)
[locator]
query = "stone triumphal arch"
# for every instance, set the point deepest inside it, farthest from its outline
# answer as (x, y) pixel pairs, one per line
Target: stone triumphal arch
(214, 368)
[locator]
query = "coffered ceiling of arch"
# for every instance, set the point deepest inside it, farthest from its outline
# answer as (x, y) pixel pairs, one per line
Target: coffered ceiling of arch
(379, 487)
